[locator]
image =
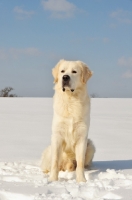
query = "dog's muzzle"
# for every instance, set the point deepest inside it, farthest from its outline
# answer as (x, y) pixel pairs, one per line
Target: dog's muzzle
(66, 82)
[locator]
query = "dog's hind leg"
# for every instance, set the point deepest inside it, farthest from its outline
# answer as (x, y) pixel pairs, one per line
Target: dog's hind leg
(90, 150)
(46, 160)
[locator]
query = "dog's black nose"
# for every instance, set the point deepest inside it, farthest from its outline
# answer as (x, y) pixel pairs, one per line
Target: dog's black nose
(66, 78)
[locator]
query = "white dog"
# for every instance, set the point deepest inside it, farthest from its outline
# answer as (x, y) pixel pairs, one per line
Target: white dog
(70, 149)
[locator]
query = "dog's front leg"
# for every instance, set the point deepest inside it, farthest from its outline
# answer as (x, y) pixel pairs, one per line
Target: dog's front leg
(55, 157)
(80, 158)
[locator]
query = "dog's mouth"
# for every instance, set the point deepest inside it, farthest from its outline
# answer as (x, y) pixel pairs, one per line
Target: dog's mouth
(66, 87)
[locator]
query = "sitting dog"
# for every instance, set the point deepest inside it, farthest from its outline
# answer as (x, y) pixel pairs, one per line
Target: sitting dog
(70, 149)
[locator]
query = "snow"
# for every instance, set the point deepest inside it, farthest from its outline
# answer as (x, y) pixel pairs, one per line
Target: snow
(25, 130)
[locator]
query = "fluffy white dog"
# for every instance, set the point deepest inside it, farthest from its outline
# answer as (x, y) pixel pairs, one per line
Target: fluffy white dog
(70, 149)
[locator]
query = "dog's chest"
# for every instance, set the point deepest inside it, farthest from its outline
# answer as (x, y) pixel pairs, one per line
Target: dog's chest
(69, 122)
(69, 108)
(70, 119)
(69, 133)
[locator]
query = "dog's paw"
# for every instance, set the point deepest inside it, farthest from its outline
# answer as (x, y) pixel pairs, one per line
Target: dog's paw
(53, 178)
(81, 179)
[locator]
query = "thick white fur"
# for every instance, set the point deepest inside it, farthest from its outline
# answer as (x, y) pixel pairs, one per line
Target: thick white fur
(70, 149)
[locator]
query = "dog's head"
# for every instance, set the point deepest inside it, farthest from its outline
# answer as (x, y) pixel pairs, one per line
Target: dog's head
(70, 75)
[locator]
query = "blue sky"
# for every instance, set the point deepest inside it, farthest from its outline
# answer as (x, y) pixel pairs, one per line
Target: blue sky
(35, 35)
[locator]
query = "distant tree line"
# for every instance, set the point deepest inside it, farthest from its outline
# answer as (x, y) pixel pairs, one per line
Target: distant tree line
(6, 92)
(94, 95)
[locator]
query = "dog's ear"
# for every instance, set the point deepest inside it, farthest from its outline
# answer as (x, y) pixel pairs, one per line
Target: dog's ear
(55, 71)
(86, 72)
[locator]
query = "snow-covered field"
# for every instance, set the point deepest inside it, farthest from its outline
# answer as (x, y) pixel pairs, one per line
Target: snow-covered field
(25, 130)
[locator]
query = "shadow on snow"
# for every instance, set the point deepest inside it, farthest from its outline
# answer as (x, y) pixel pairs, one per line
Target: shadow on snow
(115, 164)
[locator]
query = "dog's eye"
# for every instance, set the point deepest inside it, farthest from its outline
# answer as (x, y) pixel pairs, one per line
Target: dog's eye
(62, 71)
(74, 72)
